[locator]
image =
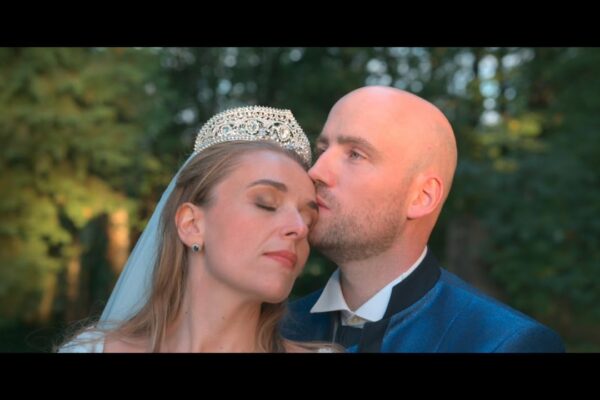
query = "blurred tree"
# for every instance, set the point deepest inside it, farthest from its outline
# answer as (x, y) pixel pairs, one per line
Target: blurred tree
(72, 135)
(91, 137)
(520, 220)
(544, 198)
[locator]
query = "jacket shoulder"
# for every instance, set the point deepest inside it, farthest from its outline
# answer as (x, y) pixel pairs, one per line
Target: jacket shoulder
(505, 328)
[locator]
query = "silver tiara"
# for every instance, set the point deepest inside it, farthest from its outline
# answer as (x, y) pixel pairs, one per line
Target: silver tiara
(255, 123)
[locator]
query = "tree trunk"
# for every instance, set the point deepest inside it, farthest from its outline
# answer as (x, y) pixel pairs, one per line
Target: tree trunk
(117, 231)
(48, 296)
(464, 243)
(73, 307)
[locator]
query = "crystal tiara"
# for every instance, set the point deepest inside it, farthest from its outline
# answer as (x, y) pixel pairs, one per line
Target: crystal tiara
(255, 123)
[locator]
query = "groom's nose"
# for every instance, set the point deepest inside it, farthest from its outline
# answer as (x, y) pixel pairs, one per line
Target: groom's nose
(322, 170)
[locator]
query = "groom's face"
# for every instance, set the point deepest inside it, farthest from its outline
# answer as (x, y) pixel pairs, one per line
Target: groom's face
(362, 175)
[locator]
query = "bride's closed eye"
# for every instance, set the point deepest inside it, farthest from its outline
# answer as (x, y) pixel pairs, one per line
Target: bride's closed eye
(266, 207)
(265, 200)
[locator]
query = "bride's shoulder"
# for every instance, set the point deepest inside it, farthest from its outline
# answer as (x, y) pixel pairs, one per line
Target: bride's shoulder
(121, 345)
(97, 341)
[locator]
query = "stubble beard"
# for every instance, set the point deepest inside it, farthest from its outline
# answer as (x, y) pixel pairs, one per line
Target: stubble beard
(354, 235)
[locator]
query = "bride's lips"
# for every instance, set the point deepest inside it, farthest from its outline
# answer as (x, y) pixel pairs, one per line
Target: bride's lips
(287, 258)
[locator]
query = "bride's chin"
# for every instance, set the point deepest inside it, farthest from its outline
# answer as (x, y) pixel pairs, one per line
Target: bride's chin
(275, 297)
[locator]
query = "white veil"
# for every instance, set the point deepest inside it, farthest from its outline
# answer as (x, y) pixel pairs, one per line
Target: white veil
(133, 287)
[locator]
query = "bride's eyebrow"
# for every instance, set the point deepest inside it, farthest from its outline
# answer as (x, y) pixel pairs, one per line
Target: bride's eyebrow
(277, 185)
(283, 188)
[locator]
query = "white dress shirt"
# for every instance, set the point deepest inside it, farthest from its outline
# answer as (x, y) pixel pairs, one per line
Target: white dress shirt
(332, 299)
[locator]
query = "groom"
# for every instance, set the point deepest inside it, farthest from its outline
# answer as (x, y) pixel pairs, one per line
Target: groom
(386, 160)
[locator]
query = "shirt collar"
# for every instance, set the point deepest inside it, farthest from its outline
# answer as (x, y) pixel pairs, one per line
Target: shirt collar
(332, 299)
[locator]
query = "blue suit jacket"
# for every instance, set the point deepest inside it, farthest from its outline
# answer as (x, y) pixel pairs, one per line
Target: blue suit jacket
(432, 310)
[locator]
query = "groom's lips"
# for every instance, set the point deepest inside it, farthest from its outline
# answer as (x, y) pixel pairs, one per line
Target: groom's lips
(321, 203)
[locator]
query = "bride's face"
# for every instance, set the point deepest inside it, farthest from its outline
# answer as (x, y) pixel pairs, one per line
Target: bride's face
(257, 226)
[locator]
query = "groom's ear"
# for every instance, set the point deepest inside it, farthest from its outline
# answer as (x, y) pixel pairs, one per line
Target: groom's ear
(190, 222)
(427, 195)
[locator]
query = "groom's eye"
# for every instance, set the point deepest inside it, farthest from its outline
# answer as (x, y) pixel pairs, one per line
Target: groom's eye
(355, 155)
(319, 150)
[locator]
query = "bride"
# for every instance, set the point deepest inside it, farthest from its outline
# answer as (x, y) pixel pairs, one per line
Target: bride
(220, 254)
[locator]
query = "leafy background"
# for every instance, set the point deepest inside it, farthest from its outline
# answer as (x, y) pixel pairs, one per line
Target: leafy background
(89, 138)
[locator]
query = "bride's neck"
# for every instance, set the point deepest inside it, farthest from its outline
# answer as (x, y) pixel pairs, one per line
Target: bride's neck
(214, 321)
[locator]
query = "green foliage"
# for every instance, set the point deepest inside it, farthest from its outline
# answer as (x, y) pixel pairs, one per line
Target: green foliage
(84, 131)
(536, 191)
(70, 126)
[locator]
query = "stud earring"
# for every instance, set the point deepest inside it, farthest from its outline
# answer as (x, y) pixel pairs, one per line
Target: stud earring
(196, 248)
